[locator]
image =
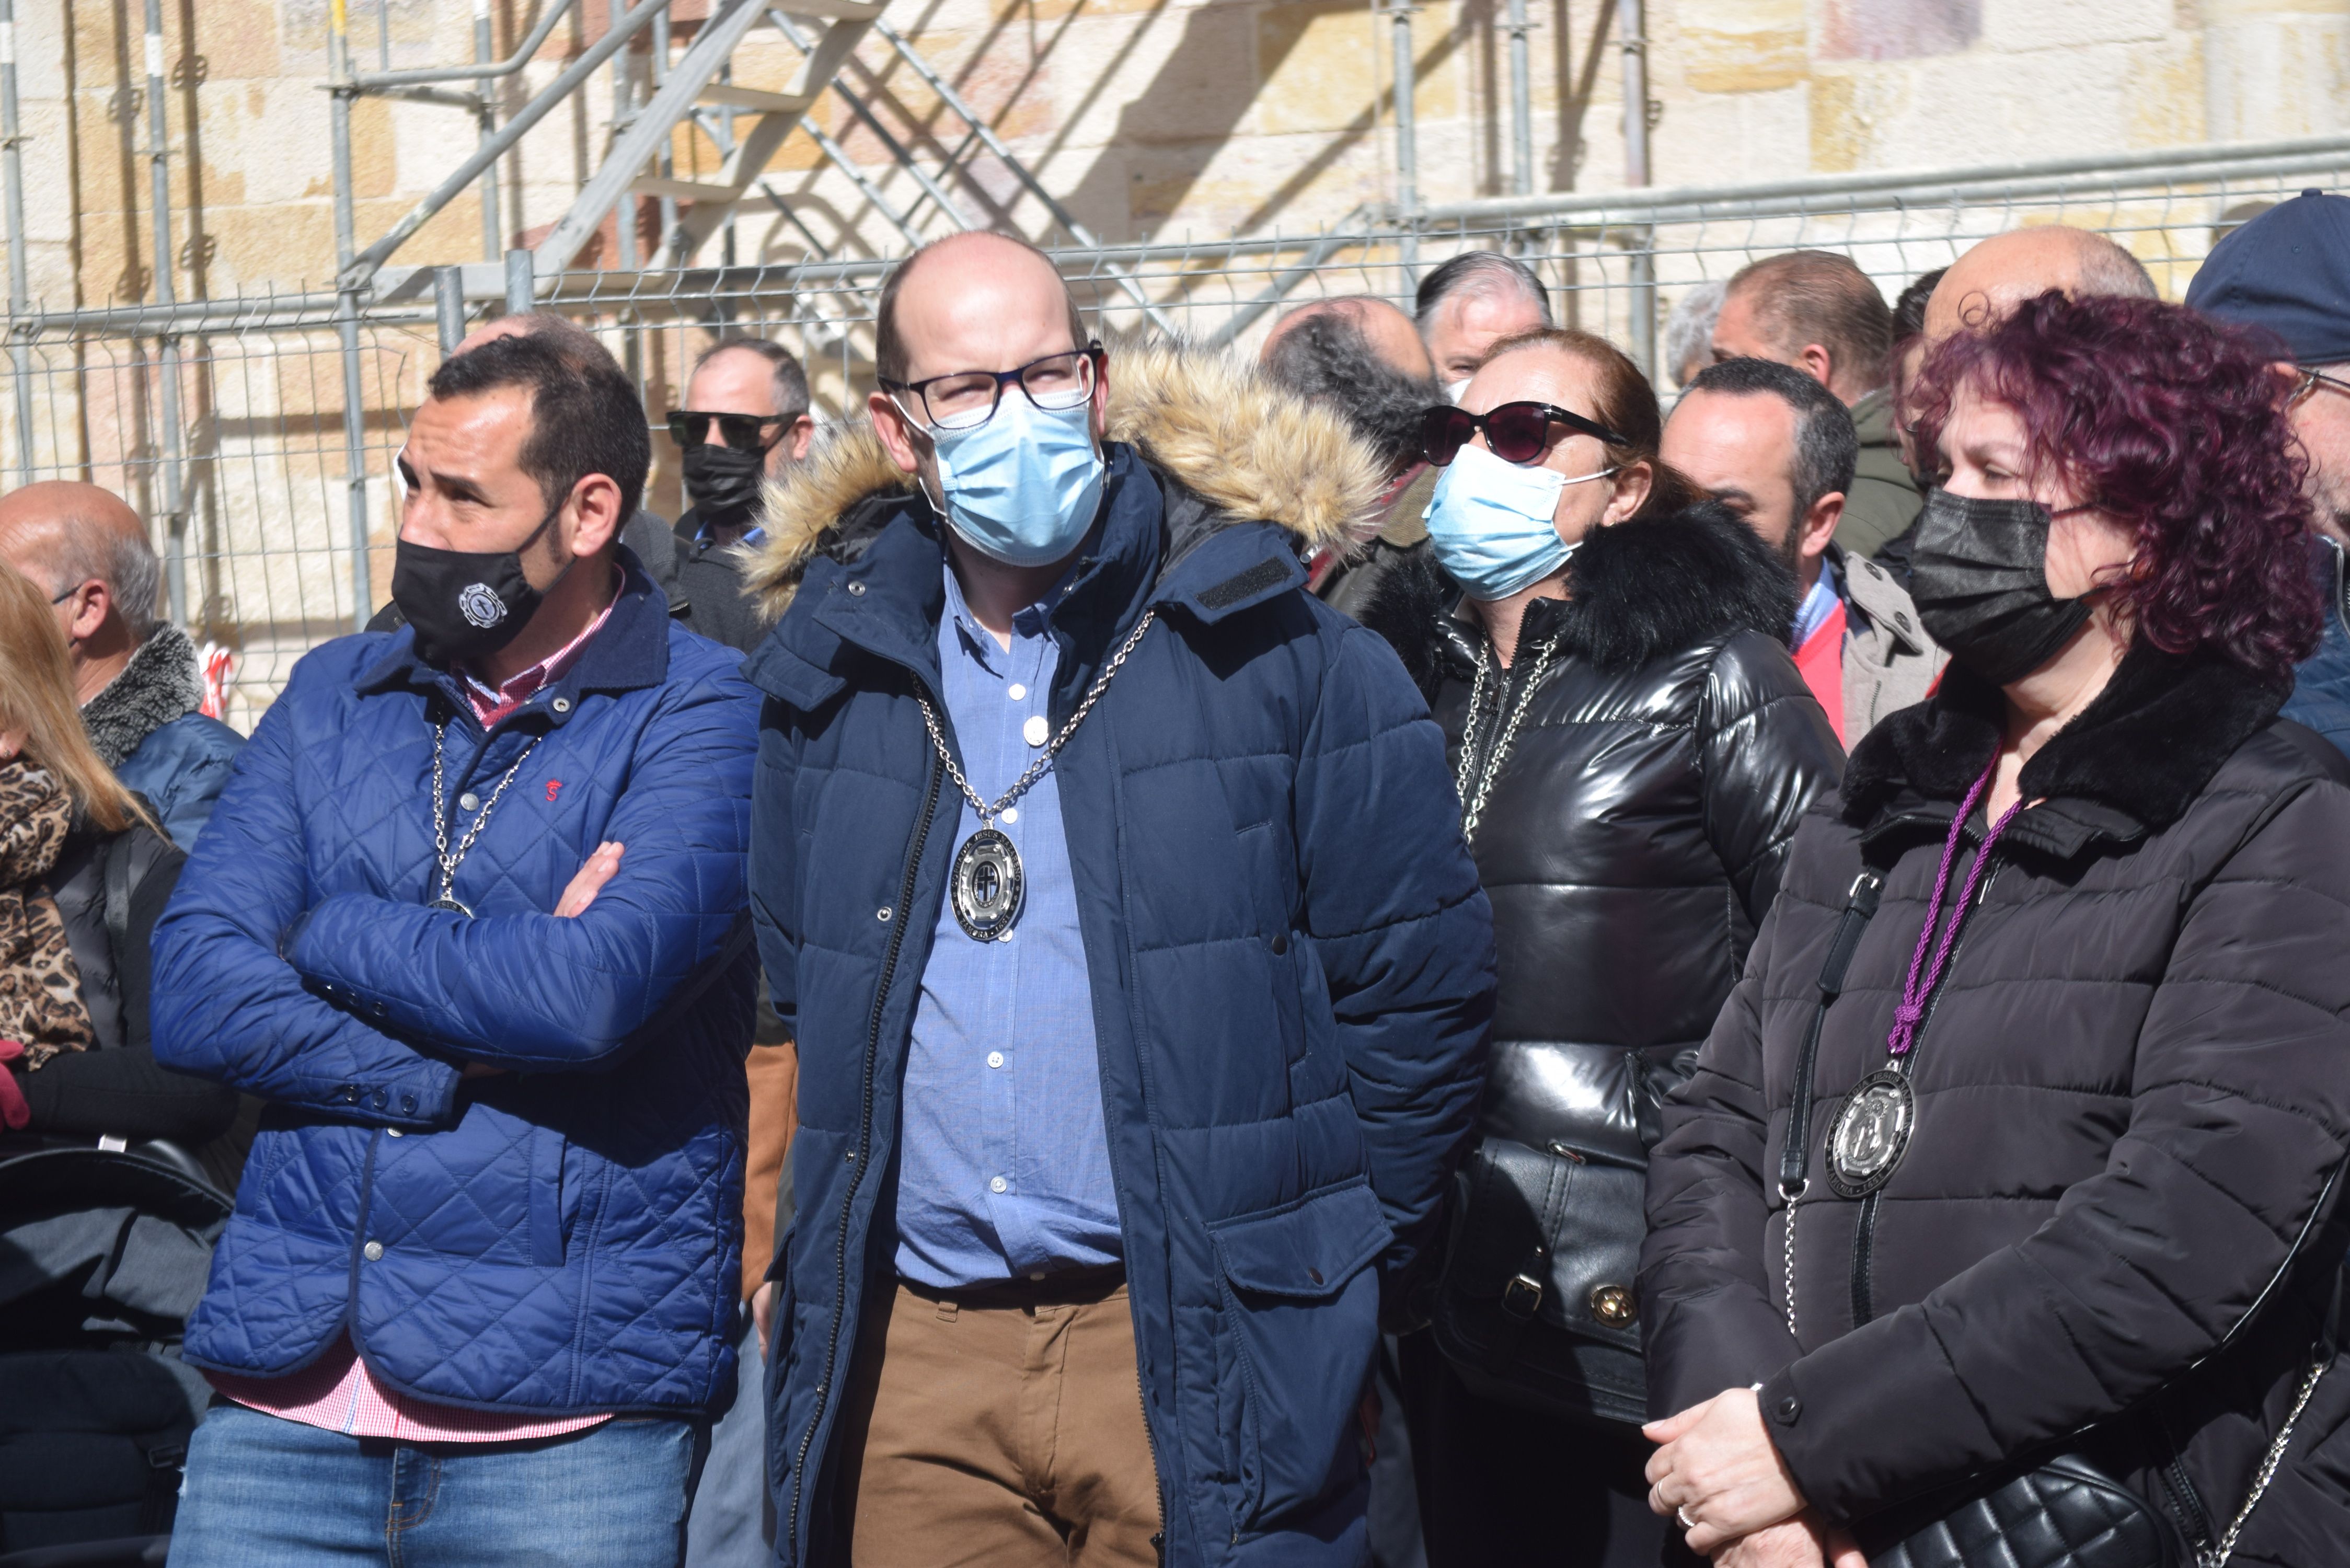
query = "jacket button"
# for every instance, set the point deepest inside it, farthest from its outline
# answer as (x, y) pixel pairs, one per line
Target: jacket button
(372, 1252)
(1901, 620)
(561, 704)
(1280, 945)
(1314, 1274)
(408, 1104)
(391, 1132)
(1787, 1410)
(856, 590)
(381, 1099)
(883, 914)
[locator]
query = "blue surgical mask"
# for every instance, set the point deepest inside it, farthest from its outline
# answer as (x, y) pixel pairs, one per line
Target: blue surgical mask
(1024, 487)
(1490, 523)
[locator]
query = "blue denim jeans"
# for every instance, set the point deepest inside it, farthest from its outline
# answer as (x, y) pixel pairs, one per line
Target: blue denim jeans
(266, 1493)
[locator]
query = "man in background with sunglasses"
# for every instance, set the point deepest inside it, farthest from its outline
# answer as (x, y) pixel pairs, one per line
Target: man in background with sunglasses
(746, 422)
(2287, 271)
(1111, 887)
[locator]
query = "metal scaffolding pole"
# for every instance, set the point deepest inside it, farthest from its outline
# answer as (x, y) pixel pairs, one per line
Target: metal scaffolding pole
(158, 167)
(20, 302)
(485, 115)
(1407, 141)
(346, 312)
(449, 307)
(1632, 22)
(1521, 109)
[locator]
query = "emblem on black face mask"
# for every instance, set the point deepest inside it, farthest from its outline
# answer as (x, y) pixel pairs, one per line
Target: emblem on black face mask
(481, 606)
(1871, 1133)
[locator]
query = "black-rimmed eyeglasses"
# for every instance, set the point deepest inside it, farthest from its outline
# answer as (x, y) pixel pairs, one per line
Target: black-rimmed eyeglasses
(1515, 432)
(744, 432)
(965, 399)
(2311, 380)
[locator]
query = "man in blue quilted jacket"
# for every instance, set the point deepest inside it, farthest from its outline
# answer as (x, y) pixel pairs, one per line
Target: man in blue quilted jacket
(471, 918)
(1114, 889)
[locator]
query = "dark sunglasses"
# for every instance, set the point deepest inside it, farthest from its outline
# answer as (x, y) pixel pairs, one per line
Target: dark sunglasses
(1517, 432)
(690, 428)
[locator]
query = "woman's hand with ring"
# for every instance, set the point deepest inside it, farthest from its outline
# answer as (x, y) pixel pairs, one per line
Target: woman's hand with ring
(1718, 1466)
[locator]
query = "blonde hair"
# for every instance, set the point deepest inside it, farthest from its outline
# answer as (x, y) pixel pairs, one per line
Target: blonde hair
(37, 695)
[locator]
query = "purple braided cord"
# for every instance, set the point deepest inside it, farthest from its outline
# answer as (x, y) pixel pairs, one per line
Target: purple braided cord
(1914, 992)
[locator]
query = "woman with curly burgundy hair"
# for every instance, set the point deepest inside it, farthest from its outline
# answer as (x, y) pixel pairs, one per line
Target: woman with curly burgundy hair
(2004, 1199)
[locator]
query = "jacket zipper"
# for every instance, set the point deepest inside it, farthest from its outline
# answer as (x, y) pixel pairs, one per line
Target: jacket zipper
(1864, 1237)
(864, 1151)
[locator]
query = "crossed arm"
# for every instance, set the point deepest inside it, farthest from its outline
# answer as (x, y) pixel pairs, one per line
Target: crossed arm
(373, 1008)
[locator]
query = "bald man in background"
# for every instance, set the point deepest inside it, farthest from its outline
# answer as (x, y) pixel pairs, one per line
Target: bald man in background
(1362, 358)
(2008, 268)
(135, 674)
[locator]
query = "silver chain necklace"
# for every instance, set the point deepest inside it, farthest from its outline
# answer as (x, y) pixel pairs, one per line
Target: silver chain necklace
(987, 882)
(1472, 802)
(447, 860)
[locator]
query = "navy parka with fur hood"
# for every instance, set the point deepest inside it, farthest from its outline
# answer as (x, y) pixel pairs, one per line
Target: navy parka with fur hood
(1292, 965)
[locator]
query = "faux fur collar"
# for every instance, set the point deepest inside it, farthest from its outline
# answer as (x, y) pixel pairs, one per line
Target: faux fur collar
(1634, 592)
(2146, 747)
(1208, 421)
(160, 684)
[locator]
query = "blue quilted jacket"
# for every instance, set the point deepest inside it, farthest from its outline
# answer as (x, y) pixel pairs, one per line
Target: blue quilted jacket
(561, 1237)
(1291, 960)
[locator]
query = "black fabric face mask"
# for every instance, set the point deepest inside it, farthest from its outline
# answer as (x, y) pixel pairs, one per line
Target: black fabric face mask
(723, 482)
(1980, 577)
(465, 605)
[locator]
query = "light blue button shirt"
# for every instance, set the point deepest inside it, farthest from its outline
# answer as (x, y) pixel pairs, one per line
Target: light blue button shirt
(1004, 1172)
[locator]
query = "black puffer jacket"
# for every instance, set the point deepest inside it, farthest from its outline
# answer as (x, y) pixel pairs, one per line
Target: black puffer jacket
(2133, 1092)
(1635, 832)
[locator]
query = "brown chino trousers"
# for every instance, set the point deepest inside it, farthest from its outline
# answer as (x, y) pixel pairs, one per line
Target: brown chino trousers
(999, 1428)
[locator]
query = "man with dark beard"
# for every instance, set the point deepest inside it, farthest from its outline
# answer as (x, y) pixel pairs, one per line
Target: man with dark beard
(1777, 447)
(2288, 271)
(1362, 358)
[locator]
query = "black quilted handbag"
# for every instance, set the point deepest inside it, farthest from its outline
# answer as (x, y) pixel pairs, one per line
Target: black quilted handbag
(2065, 1513)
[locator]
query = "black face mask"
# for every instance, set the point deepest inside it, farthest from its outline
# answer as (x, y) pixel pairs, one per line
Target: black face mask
(465, 605)
(1980, 577)
(723, 482)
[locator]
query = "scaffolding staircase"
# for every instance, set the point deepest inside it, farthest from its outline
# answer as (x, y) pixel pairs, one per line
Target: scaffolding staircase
(693, 88)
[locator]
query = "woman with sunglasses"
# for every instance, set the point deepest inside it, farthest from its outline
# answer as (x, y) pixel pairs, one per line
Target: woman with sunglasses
(2055, 1004)
(1633, 748)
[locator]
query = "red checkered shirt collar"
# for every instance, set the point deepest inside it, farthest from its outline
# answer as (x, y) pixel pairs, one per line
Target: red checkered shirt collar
(491, 703)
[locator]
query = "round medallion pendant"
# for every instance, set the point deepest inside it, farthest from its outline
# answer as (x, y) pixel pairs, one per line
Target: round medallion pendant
(452, 904)
(986, 886)
(1871, 1133)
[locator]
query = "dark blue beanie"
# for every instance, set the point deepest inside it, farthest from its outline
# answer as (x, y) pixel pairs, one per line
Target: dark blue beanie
(2288, 270)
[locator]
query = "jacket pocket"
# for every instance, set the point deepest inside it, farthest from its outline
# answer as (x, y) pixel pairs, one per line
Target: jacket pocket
(1300, 1305)
(546, 1151)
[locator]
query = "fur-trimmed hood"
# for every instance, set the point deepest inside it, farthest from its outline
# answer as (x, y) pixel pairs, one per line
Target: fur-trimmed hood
(1635, 590)
(160, 684)
(1204, 420)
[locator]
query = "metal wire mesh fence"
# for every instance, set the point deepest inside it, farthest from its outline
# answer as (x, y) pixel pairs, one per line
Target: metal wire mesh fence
(229, 426)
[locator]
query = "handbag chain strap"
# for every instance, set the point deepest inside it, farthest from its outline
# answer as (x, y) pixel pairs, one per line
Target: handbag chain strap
(2216, 1555)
